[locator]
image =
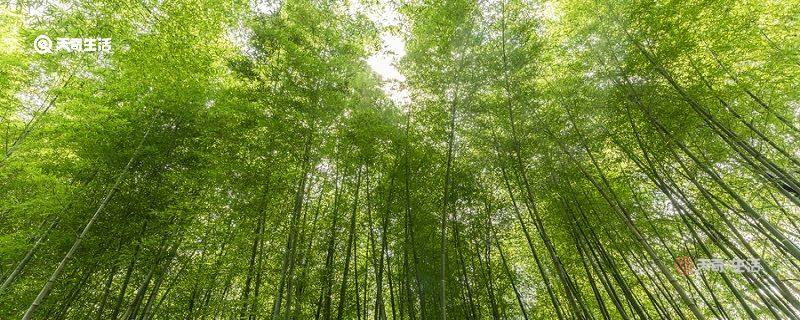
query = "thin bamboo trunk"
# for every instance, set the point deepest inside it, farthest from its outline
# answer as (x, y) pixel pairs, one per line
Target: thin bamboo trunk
(350, 247)
(24, 262)
(60, 268)
(288, 255)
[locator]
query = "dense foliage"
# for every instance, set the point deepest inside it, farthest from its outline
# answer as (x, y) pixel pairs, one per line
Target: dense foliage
(554, 159)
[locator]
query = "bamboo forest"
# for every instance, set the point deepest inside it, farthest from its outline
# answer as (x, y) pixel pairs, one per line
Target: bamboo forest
(400, 159)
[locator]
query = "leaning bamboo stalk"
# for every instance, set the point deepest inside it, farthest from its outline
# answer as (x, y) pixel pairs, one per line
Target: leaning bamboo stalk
(70, 254)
